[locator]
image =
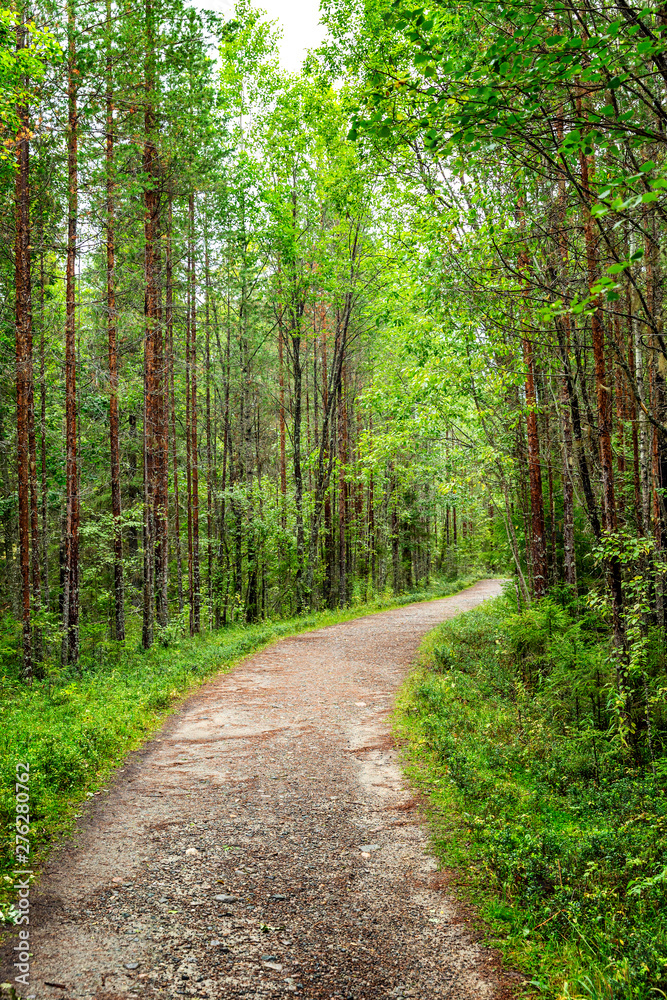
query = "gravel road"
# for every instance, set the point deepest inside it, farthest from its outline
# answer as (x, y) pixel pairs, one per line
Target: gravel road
(264, 843)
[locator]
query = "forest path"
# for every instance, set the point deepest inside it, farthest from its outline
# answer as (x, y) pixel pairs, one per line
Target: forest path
(226, 859)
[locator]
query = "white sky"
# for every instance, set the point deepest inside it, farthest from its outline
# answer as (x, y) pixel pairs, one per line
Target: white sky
(299, 20)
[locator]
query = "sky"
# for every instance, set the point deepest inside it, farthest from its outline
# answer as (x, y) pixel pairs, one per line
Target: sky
(299, 20)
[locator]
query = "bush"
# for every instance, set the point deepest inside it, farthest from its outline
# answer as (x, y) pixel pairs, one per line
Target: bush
(561, 829)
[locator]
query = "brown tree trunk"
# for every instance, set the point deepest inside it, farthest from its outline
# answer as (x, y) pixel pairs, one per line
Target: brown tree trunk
(281, 414)
(395, 542)
(23, 363)
(342, 494)
(194, 456)
(150, 166)
(226, 446)
(188, 432)
(604, 412)
(161, 496)
(569, 553)
(209, 448)
(537, 534)
(538, 548)
(298, 472)
(70, 651)
(38, 654)
(170, 388)
(636, 477)
(114, 431)
(42, 425)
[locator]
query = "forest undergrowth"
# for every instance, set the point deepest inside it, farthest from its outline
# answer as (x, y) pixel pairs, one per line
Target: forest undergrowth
(76, 727)
(555, 828)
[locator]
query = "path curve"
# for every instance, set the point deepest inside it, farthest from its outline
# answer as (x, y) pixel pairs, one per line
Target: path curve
(225, 861)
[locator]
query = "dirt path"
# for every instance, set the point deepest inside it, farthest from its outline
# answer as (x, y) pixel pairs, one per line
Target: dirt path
(226, 860)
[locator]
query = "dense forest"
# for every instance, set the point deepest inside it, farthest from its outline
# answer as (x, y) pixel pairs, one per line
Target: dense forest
(197, 268)
(274, 343)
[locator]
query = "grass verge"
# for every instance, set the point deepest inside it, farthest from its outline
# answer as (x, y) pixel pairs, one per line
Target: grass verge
(74, 733)
(553, 830)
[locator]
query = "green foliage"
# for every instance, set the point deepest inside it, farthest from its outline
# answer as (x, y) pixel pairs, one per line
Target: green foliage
(560, 833)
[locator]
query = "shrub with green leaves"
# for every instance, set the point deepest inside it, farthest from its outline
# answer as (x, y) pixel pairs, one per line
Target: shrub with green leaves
(560, 827)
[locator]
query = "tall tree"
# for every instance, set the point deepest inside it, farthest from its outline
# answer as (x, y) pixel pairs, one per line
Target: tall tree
(24, 374)
(70, 603)
(112, 329)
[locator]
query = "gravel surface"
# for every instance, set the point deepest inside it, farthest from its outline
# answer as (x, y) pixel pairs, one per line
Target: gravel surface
(264, 843)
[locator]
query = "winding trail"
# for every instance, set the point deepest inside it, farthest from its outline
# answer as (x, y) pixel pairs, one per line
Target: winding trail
(225, 860)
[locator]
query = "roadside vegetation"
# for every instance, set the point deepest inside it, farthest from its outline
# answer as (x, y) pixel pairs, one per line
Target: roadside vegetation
(555, 825)
(75, 728)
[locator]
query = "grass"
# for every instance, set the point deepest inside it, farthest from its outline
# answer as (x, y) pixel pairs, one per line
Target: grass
(75, 732)
(554, 830)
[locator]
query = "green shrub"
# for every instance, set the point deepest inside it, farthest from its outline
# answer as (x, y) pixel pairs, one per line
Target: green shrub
(561, 830)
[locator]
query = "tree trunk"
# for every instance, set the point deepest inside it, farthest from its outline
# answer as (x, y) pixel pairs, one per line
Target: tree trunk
(161, 495)
(281, 415)
(342, 494)
(169, 320)
(209, 448)
(194, 456)
(604, 412)
(569, 554)
(42, 426)
(114, 432)
(298, 473)
(537, 532)
(70, 642)
(23, 363)
(151, 200)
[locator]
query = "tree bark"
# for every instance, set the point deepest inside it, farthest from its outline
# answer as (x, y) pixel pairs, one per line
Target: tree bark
(23, 362)
(537, 533)
(42, 423)
(209, 443)
(70, 642)
(112, 332)
(604, 413)
(161, 496)
(169, 320)
(194, 456)
(151, 207)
